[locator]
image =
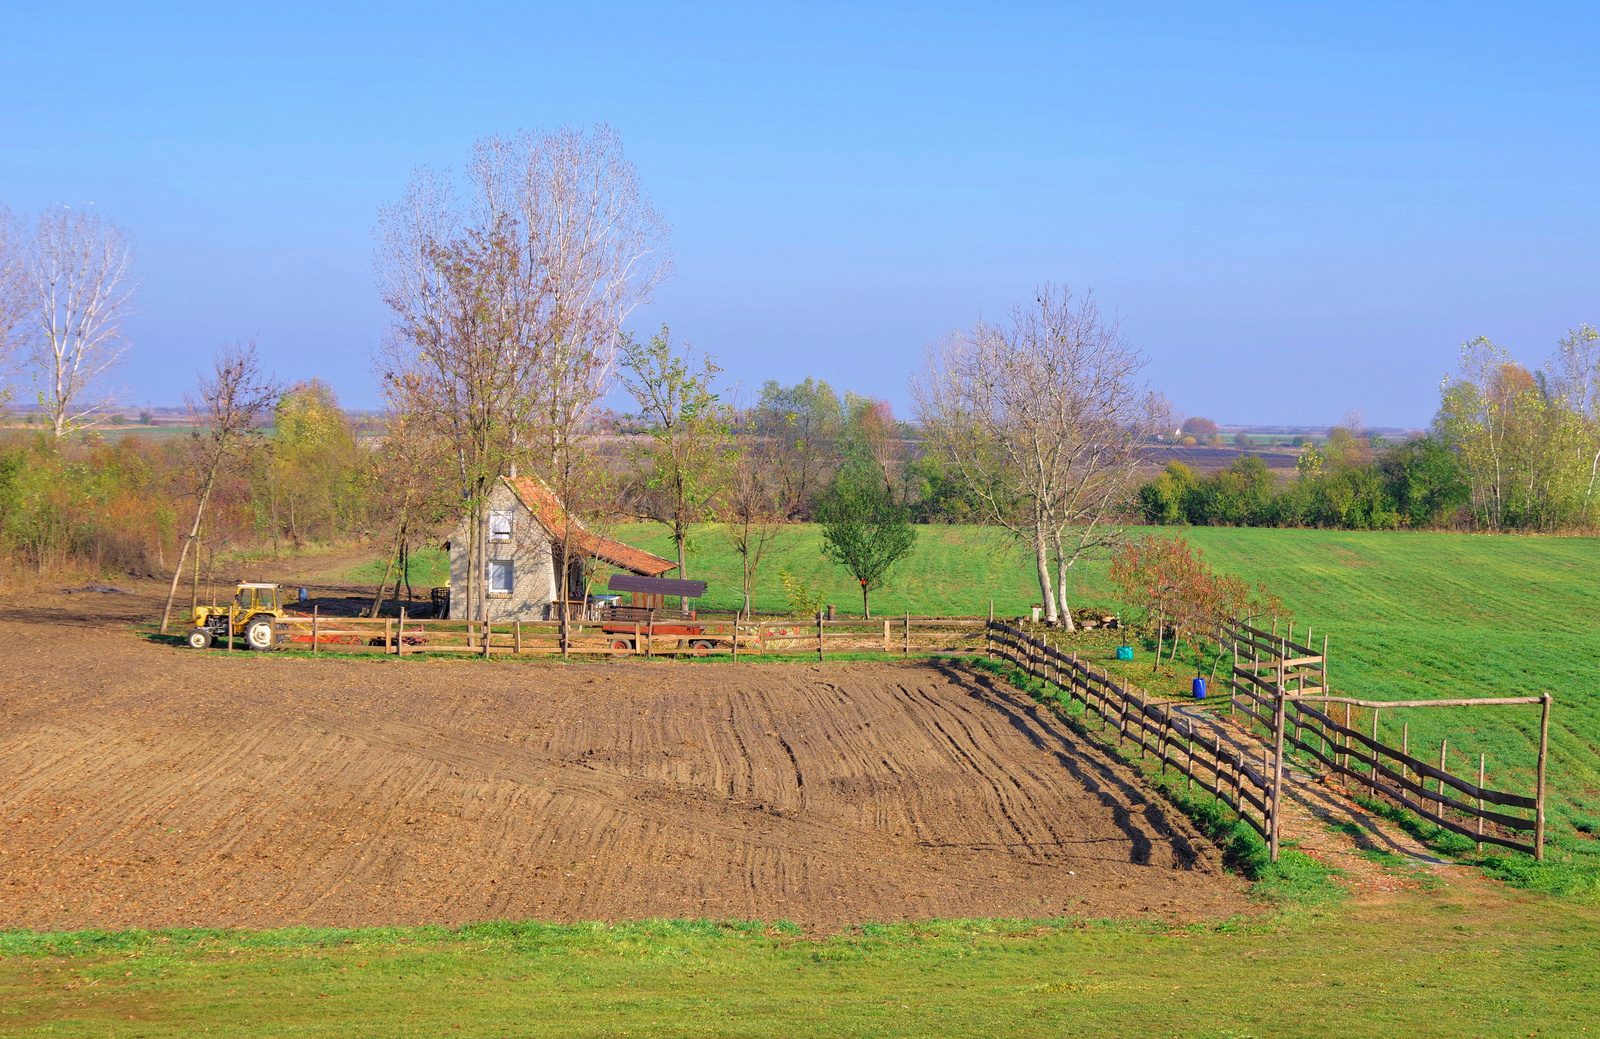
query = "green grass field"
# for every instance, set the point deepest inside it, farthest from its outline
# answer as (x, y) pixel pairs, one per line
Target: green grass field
(1422, 965)
(1409, 615)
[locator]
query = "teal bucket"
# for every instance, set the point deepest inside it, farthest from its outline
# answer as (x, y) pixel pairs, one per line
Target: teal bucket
(1124, 652)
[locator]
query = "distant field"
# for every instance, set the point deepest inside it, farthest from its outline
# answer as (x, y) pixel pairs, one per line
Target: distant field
(1410, 615)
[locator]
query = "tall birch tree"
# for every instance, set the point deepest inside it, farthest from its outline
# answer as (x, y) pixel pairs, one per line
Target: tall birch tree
(82, 287)
(1045, 417)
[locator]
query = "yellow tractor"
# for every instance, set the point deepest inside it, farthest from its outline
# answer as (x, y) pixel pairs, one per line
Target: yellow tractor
(253, 616)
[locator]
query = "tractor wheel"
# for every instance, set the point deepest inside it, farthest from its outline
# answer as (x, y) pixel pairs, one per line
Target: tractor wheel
(622, 647)
(199, 638)
(700, 647)
(260, 635)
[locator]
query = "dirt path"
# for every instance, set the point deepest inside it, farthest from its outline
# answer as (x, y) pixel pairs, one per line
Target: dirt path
(1321, 819)
(147, 786)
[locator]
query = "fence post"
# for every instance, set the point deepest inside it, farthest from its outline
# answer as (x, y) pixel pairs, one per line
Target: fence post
(1233, 676)
(388, 635)
(1345, 738)
(1278, 725)
(736, 638)
(637, 645)
(488, 631)
(1544, 752)
(1480, 802)
(1444, 746)
(400, 639)
(908, 635)
(819, 636)
(886, 649)
(316, 628)
(650, 634)
(761, 637)
(1405, 748)
(988, 634)
(516, 635)
(566, 641)
(1372, 778)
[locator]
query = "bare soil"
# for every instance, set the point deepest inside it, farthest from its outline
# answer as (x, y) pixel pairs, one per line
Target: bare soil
(148, 785)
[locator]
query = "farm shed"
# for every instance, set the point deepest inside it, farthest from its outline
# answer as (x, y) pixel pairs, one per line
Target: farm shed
(523, 535)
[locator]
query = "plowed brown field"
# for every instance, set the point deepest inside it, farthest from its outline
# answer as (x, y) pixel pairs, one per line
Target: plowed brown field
(143, 785)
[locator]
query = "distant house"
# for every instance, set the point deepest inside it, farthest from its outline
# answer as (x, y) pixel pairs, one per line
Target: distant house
(523, 539)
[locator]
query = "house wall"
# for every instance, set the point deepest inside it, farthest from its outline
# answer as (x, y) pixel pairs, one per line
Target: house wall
(530, 553)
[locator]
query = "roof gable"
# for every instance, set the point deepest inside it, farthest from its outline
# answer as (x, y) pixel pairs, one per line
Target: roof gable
(557, 522)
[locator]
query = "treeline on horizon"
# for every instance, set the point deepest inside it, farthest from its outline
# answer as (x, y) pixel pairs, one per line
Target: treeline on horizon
(1510, 450)
(313, 476)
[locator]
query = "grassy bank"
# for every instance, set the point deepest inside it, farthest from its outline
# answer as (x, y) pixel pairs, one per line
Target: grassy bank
(1426, 964)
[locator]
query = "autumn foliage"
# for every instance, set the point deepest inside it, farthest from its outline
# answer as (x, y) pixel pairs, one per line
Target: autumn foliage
(1170, 580)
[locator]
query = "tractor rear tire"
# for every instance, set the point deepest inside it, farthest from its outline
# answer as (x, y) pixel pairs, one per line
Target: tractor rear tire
(622, 647)
(199, 638)
(260, 635)
(700, 647)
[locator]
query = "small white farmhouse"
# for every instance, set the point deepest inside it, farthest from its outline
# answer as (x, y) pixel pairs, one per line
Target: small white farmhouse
(523, 540)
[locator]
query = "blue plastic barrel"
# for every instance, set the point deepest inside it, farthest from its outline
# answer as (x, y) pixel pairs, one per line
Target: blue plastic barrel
(1199, 688)
(1124, 652)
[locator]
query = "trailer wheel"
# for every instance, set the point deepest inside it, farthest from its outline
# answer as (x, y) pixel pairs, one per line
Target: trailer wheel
(199, 638)
(622, 647)
(700, 647)
(260, 635)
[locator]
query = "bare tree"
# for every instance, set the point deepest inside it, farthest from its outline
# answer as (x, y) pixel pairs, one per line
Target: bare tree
(1045, 418)
(411, 468)
(1575, 378)
(507, 305)
(230, 404)
(752, 506)
(82, 287)
(15, 300)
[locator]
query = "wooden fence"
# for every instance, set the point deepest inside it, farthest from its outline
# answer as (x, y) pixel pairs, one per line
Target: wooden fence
(897, 636)
(1276, 684)
(1268, 684)
(1178, 740)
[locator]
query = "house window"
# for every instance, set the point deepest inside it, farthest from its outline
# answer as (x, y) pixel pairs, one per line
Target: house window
(501, 577)
(499, 526)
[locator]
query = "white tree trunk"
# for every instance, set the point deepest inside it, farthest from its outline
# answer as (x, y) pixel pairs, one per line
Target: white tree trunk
(1041, 560)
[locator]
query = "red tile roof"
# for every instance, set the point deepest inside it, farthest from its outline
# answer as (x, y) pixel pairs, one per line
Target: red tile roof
(547, 509)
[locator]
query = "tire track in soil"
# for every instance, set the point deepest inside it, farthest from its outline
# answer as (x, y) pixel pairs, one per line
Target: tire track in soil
(148, 786)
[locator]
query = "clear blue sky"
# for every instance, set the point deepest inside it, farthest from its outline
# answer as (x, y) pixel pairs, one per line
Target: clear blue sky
(1295, 212)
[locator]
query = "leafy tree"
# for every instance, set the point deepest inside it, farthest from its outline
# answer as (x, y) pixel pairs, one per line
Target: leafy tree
(1425, 481)
(864, 528)
(1166, 499)
(803, 424)
(312, 465)
(690, 447)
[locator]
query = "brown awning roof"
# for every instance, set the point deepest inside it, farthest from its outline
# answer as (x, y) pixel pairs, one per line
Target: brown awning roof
(548, 511)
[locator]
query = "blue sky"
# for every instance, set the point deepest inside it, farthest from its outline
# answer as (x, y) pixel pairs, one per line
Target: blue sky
(1294, 212)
